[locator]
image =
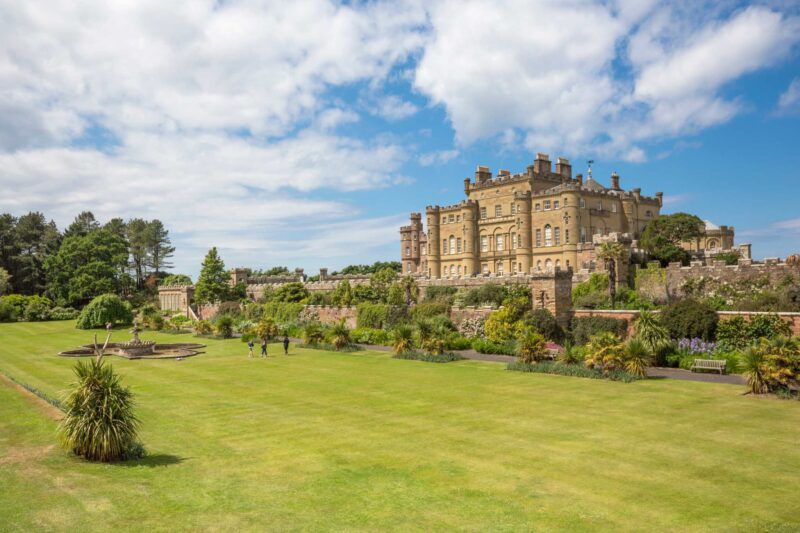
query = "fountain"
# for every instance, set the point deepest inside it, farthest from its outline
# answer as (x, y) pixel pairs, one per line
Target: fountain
(139, 349)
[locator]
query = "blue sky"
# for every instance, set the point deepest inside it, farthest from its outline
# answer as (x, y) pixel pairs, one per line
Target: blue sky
(303, 134)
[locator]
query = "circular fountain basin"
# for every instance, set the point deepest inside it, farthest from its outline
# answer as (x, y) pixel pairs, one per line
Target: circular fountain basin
(140, 350)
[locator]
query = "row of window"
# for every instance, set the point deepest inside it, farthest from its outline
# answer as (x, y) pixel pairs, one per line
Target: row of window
(456, 270)
(546, 206)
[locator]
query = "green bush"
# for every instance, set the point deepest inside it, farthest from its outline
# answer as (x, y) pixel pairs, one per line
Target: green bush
(223, 326)
(583, 328)
(380, 316)
(294, 292)
(737, 333)
(545, 323)
(429, 309)
(8, 313)
(104, 309)
(440, 294)
(37, 309)
(690, 319)
(203, 327)
(454, 341)
(371, 336)
(487, 294)
(554, 367)
(282, 312)
(428, 357)
(62, 313)
(17, 302)
(488, 347)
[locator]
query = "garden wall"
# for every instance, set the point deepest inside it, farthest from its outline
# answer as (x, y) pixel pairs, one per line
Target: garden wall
(330, 315)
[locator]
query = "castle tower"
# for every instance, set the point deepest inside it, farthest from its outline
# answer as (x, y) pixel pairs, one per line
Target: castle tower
(434, 242)
(410, 237)
(571, 220)
(524, 230)
(469, 214)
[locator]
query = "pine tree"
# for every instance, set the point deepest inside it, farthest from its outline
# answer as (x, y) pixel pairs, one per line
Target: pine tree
(83, 224)
(159, 246)
(213, 285)
(137, 243)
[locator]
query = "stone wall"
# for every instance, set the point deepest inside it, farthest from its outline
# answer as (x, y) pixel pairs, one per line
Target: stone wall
(720, 279)
(459, 314)
(175, 297)
(209, 311)
(331, 315)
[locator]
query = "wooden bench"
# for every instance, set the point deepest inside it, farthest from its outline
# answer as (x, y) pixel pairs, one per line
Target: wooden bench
(709, 364)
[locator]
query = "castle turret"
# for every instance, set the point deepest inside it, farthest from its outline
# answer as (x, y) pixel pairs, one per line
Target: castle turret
(434, 242)
(469, 215)
(524, 230)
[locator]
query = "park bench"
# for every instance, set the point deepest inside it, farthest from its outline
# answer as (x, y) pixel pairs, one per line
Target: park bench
(709, 364)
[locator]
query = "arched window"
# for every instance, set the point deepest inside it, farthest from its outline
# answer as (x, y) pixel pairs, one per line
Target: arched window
(452, 244)
(452, 270)
(499, 267)
(557, 235)
(538, 237)
(548, 235)
(558, 263)
(712, 245)
(499, 243)
(548, 265)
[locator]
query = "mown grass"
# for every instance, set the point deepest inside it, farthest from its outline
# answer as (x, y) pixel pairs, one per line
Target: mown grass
(362, 441)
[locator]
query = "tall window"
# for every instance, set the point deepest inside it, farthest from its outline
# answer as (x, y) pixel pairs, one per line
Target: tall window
(583, 203)
(458, 218)
(600, 205)
(538, 237)
(538, 207)
(452, 270)
(498, 211)
(558, 263)
(557, 235)
(408, 251)
(444, 246)
(548, 264)
(513, 241)
(548, 235)
(451, 218)
(513, 208)
(485, 268)
(546, 205)
(452, 245)
(514, 267)
(583, 234)
(458, 245)
(499, 243)
(555, 204)
(484, 244)
(459, 270)
(483, 212)
(499, 267)
(613, 208)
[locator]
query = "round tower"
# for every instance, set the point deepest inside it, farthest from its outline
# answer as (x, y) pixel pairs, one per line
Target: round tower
(524, 230)
(571, 220)
(434, 242)
(469, 214)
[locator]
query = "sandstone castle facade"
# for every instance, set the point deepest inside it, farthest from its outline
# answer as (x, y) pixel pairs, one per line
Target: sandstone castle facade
(539, 220)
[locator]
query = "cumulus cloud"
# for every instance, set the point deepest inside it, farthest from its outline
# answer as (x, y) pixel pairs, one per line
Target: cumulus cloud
(588, 76)
(437, 158)
(789, 101)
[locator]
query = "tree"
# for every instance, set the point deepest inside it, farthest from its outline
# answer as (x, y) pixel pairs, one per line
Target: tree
(36, 239)
(5, 281)
(662, 236)
(380, 282)
(86, 266)
(117, 226)
(213, 285)
(107, 308)
(159, 245)
(611, 253)
(83, 224)
(291, 292)
(176, 279)
(8, 242)
(342, 294)
(138, 248)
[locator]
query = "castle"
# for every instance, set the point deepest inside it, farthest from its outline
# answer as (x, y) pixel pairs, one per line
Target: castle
(539, 220)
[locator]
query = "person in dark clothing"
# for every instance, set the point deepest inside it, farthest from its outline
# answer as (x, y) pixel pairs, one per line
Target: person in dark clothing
(250, 345)
(263, 347)
(286, 345)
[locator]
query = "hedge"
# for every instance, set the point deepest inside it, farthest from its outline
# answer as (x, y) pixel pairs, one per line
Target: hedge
(380, 316)
(282, 312)
(584, 327)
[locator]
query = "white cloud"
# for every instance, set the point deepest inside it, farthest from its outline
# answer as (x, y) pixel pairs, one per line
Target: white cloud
(437, 158)
(557, 70)
(393, 108)
(789, 101)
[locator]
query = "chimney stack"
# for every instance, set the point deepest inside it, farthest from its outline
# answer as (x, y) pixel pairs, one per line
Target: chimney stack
(482, 174)
(614, 181)
(579, 177)
(563, 167)
(541, 165)
(660, 197)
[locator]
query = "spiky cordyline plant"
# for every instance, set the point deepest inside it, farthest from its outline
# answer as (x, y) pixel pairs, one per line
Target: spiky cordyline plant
(650, 331)
(403, 339)
(531, 346)
(99, 424)
(637, 358)
(752, 361)
(570, 355)
(313, 334)
(340, 335)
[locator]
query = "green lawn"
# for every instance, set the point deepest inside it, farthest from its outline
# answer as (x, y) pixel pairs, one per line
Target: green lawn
(326, 441)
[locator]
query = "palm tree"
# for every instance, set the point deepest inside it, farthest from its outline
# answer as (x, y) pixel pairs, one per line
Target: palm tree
(611, 253)
(752, 361)
(637, 357)
(531, 346)
(313, 334)
(651, 333)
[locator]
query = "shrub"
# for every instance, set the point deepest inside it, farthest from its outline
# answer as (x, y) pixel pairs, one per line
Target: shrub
(339, 335)
(561, 369)
(265, 329)
(651, 333)
(402, 339)
(531, 346)
(543, 321)
(690, 318)
(370, 336)
(454, 341)
(429, 309)
(429, 358)
(605, 352)
(501, 326)
(291, 292)
(380, 316)
(8, 313)
(472, 328)
(487, 294)
(313, 334)
(637, 357)
(203, 327)
(488, 347)
(223, 326)
(104, 309)
(62, 313)
(37, 309)
(440, 294)
(570, 355)
(282, 312)
(157, 323)
(17, 302)
(99, 423)
(583, 328)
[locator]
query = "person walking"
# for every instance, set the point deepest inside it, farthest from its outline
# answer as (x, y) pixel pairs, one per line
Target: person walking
(285, 345)
(250, 345)
(263, 347)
